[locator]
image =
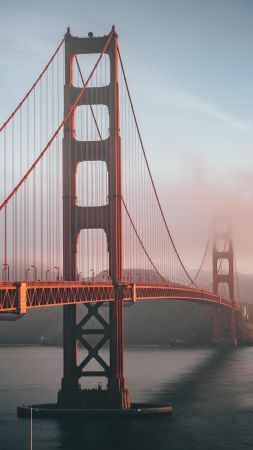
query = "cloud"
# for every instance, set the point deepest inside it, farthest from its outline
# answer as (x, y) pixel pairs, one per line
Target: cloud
(166, 94)
(191, 203)
(193, 104)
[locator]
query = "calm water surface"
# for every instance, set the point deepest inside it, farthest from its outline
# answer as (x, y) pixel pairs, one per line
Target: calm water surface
(211, 393)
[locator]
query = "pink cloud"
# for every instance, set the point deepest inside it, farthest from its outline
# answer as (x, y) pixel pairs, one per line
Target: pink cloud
(191, 203)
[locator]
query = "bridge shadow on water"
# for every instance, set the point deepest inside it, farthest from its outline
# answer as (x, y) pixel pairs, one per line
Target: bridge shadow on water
(161, 432)
(185, 389)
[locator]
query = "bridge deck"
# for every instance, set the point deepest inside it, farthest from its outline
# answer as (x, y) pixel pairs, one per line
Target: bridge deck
(18, 297)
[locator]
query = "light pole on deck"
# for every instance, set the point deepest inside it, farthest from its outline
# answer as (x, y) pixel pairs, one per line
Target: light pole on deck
(6, 269)
(93, 274)
(58, 273)
(35, 271)
(48, 270)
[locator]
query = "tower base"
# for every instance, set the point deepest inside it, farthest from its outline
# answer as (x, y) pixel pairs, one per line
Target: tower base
(52, 410)
(94, 399)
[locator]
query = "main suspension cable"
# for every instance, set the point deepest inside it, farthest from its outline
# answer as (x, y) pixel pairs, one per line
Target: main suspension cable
(140, 241)
(203, 259)
(32, 88)
(192, 280)
(149, 171)
(32, 167)
(122, 199)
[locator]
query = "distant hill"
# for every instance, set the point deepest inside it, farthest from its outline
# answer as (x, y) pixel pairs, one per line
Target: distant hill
(150, 322)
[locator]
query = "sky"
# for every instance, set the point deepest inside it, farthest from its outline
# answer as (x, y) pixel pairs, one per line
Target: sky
(190, 71)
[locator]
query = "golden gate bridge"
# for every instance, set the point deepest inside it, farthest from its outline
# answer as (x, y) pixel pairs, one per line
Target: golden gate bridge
(81, 221)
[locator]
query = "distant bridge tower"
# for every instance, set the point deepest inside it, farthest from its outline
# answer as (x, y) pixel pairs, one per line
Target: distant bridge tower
(223, 251)
(106, 217)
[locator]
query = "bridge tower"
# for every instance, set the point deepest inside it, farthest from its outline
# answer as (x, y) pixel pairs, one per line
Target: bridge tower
(223, 250)
(106, 217)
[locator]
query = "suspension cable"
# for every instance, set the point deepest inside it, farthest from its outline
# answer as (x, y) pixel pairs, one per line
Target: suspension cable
(203, 259)
(149, 171)
(92, 111)
(140, 241)
(32, 88)
(123, 202)
(192, 280)
(32, 167)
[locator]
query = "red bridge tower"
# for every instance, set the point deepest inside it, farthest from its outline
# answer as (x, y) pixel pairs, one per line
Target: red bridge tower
(106, 217)
(223, 250)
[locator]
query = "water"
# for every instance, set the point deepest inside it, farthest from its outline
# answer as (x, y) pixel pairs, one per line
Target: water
(211, 393)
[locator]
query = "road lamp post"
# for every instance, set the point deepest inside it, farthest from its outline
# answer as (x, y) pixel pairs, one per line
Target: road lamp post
(6, 269)
(26, 273)
(35, 271)
(48, 270)
(58, 273)
(93, 274)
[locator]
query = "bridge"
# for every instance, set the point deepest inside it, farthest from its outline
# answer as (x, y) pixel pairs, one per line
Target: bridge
(81, 221)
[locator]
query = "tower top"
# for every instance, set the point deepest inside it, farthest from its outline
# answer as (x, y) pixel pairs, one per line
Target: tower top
(90, 34)
(68, 34)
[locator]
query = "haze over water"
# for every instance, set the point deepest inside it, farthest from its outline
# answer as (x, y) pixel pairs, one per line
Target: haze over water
(211, 392)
